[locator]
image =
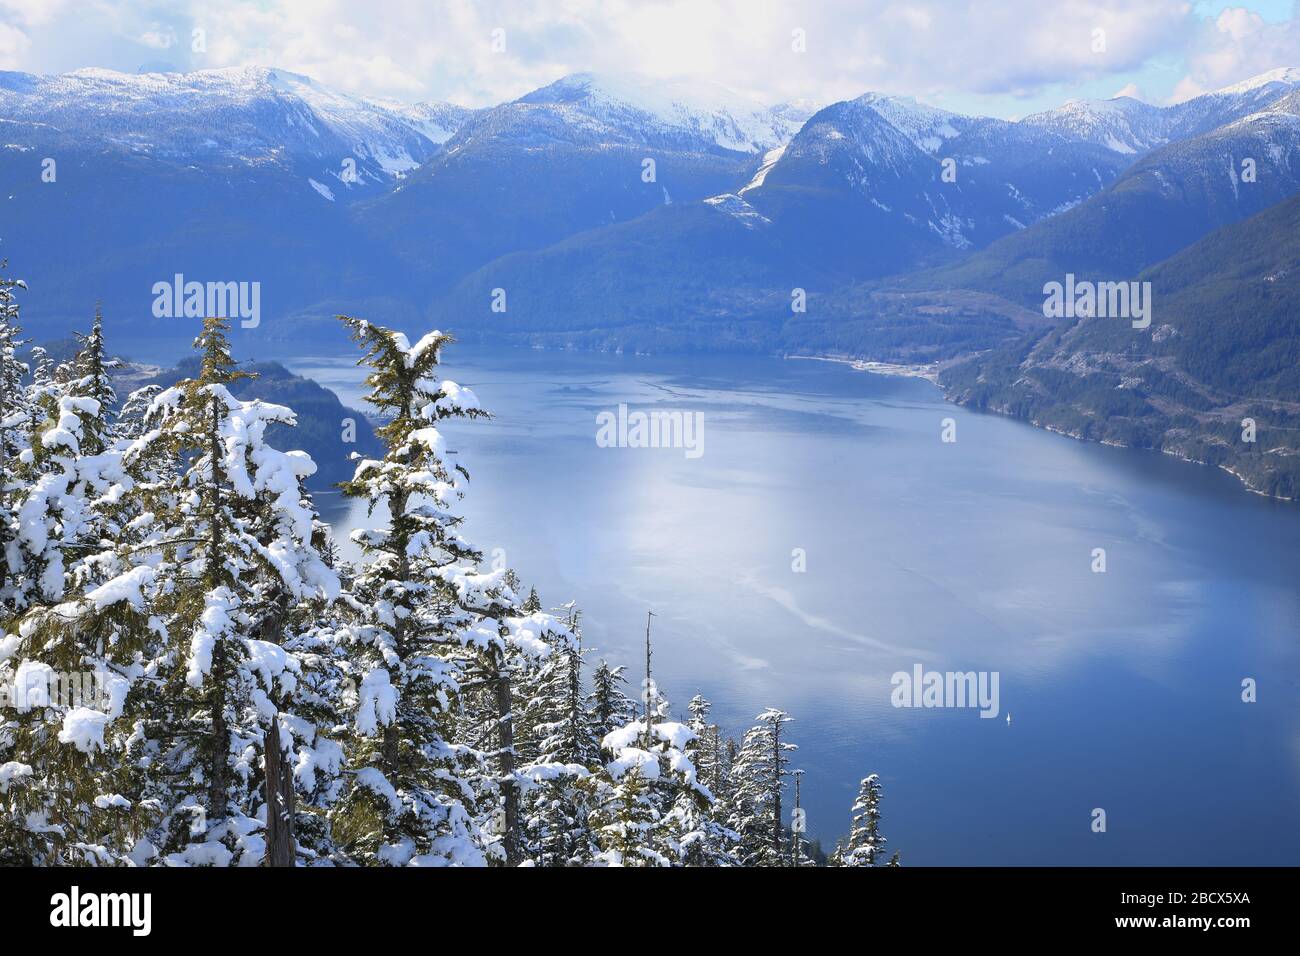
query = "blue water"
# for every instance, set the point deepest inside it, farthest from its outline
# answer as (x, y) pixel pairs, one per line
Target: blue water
(1124, 688)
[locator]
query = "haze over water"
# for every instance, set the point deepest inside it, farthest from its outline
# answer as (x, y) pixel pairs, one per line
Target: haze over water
(1124, 688)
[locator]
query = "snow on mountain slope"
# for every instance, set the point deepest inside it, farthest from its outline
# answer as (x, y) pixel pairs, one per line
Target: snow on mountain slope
(1211, 110)
(799, 111)
(1287, 77)
(695, 114)
(855, 142)
(926, 126)
(437, 121)
(1128, 126)
(246, 116)
(885, 155)
(734, 205)
(770, 159)
(1121, 124)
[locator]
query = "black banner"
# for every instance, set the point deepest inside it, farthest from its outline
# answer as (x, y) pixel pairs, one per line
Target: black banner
(335, 906)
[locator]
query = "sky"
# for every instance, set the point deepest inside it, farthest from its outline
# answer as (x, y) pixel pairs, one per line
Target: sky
(996, 57)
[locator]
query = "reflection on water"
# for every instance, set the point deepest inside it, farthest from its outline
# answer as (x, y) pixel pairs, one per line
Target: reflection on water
(1124, 687)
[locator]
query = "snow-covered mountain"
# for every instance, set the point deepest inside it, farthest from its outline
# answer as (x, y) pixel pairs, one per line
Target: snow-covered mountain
(582, 152)
(672, 113)
(1128, 126)
(1168, 199)
(885, 153)
(927, 127)
(248, 117)
(241, 174)
(886, 156)
(1212, 110)
(1121, 124)
(860, 193)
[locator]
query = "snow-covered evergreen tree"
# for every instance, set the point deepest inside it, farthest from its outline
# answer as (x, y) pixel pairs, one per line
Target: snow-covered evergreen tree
(131, 418)
(502, 644)
(557, 807)
(706, 748)
(89, 379)
(430, 629)
(609, 706)
(638, 813)
(710, 842)
(15, 436)
(759, 775)
(229, 563)
(865, 843)
(411, 795)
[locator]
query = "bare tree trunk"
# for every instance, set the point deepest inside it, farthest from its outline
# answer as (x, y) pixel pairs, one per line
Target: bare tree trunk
(219, 755)
(280, 844)
(506, 728)
(776, 790)
(219, 743)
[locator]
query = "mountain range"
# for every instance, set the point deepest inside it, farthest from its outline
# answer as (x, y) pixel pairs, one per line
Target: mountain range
(619, 212)
(419, 210)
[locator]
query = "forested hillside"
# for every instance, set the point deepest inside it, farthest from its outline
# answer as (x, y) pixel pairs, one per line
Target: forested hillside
(1216, 377)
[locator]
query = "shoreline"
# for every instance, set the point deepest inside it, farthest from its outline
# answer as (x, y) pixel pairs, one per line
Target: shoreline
(930, 373)
(892, 369)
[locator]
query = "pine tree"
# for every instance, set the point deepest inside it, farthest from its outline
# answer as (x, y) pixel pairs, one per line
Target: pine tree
(230, 564)
(567, 733)
(504, 648)
(641, 795)
(865, 842)
(429, 630)
(610, 708)
(759, 772)
(709, 841)
(130, 423)
(837, 855)
(558, 809)
(84, 628)
(15, 436)
(90, 380)
(706, 748)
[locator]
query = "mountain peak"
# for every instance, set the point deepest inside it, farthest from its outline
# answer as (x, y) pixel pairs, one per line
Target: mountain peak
(1285, 76)
(927, 127)
(246, 114)
(657, 96)
(696, 109)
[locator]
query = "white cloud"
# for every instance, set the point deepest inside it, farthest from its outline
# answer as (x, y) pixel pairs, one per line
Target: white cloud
(1234, 46)
(13, 46)
(157, 39)
(31, 13)
(412, 49)
(852, 46)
